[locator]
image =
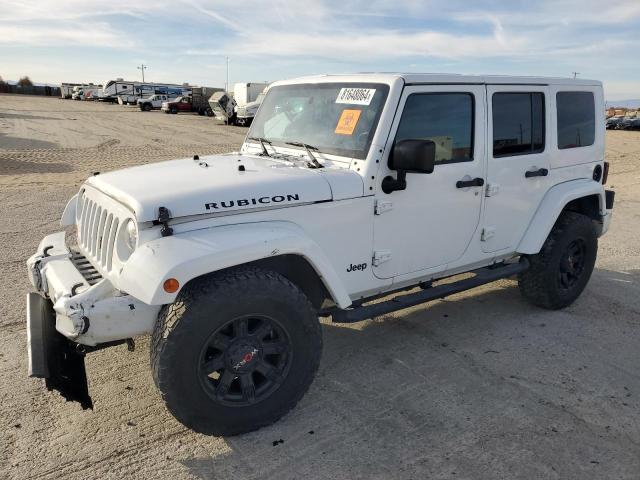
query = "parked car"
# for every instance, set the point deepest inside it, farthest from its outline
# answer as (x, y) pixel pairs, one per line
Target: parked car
(613, 122)
(245, 114)
(196, 102)
(346, 189)
(153, 102)
(629, 123)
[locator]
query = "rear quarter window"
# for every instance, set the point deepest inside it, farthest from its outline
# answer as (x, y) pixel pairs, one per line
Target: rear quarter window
(576, 119)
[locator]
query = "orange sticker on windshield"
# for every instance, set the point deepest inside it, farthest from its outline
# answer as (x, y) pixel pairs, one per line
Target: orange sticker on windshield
(347, 122)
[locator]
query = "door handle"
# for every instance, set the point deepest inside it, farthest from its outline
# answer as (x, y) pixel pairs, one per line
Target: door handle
(476, 182)
(542, 172)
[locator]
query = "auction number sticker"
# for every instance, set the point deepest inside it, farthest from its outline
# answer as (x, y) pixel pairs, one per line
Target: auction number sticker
(347, 122)
(356, 96)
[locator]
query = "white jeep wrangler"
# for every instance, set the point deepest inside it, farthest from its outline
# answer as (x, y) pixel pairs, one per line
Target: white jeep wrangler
(347, 188)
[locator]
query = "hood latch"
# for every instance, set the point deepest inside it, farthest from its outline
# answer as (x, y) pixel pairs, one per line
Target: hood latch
(163, 219)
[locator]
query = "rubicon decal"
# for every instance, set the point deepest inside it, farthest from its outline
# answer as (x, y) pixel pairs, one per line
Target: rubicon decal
(245, 202)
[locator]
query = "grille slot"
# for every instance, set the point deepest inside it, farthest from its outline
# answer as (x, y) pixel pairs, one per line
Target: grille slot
(97, 227)
(88, 271)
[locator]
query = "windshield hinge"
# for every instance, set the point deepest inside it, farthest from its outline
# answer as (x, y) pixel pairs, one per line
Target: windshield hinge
(382, 206)
(163, 219)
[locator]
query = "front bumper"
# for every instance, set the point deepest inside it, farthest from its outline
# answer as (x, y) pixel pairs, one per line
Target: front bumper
(88, 309)
(75, 311)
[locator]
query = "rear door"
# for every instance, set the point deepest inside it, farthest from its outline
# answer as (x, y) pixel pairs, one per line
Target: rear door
(518, 163)
(432, 221)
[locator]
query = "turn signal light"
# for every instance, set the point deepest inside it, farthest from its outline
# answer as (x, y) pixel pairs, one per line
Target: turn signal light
(171, 285)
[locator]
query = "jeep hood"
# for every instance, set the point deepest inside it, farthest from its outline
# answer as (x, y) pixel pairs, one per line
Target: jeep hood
(223, 184)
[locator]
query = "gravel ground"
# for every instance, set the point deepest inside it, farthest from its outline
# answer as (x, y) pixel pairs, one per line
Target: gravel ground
(478, 386)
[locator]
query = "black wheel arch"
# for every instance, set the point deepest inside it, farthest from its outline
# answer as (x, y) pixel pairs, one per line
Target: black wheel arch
(295, 268)
(588, 206)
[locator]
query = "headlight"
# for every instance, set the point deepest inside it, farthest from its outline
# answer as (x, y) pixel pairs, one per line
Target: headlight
(131, 234)
(127, 240)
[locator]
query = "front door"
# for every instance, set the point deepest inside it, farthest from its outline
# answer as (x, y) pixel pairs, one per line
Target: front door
(432, 221)
(518, 164)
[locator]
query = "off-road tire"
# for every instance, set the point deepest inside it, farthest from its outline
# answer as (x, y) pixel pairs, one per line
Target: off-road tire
(203, 307)
(541, 284)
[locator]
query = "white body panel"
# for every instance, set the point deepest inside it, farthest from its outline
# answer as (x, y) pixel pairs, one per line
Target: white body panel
(436, 234)
(223, 215)
(514, 198)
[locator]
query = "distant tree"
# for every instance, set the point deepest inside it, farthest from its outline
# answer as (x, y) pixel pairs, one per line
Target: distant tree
(25, 82)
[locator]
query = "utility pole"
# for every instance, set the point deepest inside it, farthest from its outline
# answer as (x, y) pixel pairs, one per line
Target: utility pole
(226, 85)
(143, 67)
(575, 74)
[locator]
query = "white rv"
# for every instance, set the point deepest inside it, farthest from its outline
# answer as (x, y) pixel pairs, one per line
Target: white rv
(125, 92)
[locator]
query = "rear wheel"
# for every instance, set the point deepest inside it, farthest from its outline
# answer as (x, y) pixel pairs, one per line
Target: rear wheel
(235, 351)
(560, 272)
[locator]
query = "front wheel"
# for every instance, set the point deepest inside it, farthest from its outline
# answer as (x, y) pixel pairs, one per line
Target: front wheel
(560, 272)
(235, 351)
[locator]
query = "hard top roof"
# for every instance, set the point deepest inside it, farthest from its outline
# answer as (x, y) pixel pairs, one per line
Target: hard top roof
(442, 78)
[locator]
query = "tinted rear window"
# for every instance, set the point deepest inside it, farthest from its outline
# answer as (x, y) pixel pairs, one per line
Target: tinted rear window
(518, 123)
(576, 119)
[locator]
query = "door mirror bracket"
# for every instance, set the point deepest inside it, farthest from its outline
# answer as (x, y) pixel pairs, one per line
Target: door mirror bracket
(415, 156)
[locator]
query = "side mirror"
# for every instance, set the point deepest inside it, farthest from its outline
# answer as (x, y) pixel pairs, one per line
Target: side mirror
(414, 156)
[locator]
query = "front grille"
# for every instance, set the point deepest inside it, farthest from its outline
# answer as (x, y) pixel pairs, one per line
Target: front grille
(97, 229)
(88, 271)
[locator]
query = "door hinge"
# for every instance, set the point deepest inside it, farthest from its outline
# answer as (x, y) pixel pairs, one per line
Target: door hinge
(381, 256)
(382, 206)
(492, 189)
(487, 233)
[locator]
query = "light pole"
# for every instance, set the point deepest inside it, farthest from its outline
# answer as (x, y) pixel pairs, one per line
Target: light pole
(226, 87)
(143, 67)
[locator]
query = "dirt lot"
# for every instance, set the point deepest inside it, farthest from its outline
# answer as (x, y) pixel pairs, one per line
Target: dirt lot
(479, 386)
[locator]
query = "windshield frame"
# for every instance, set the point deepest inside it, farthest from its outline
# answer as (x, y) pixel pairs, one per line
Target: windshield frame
(322, 149)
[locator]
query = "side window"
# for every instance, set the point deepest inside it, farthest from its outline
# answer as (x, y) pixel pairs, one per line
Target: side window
(444, 118)
(518, 123)
(576, 119)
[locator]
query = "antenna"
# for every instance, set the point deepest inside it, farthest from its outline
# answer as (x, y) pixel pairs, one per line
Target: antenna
(575, 74)
(143, 67)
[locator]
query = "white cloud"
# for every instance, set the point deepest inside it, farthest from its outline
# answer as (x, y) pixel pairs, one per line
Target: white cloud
(541, 37)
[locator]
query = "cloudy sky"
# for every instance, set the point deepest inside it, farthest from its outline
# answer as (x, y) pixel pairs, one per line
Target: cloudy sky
(188, 40)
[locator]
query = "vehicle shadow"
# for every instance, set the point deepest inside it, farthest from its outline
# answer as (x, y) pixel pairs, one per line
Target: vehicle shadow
(481, 385)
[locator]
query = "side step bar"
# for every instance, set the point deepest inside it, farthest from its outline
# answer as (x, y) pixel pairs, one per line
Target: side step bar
(482, 276)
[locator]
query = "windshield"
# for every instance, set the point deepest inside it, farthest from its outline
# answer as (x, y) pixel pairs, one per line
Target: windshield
(336, 118)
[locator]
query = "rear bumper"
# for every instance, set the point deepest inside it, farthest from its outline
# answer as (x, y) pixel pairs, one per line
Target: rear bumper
(606, 218)
(88, 309)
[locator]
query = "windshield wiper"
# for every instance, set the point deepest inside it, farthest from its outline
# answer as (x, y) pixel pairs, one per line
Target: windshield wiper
(314, 161)
(262, 142)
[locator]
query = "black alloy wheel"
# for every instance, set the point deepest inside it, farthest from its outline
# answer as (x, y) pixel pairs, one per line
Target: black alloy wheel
(572, 264)
(245, 360)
